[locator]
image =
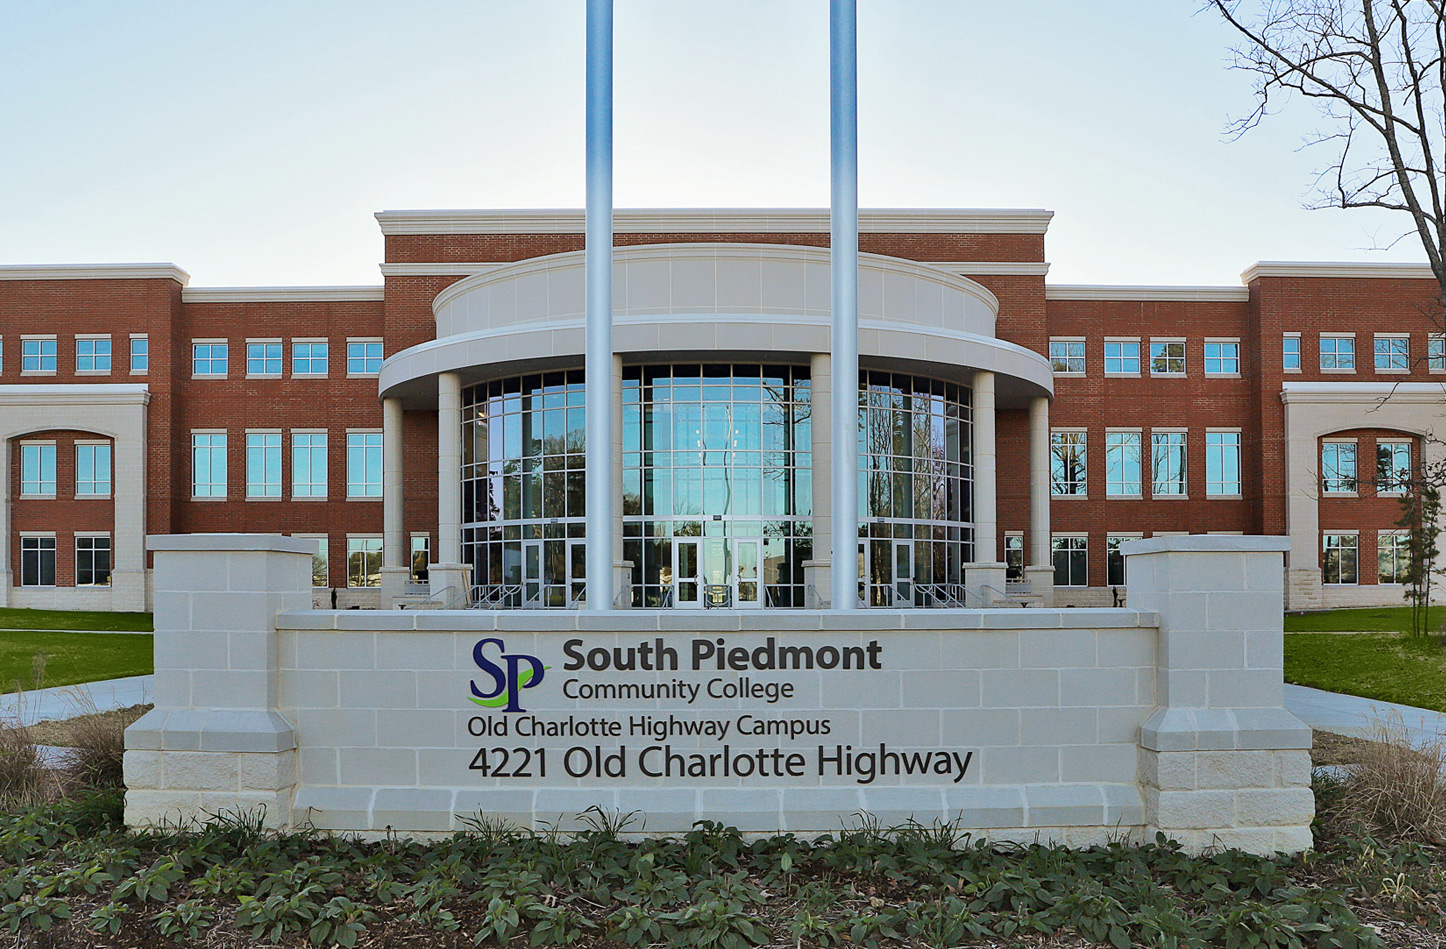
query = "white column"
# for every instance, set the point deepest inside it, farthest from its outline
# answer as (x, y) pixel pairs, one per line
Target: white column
(448, 571)
(818, 585)
(1040, 570)
(395, 571)
(598, 264)
(129, 457)
(986, 574)
(5, 576)
(844, 258)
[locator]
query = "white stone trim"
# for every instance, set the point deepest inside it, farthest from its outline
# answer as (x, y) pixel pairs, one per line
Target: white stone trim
(721, 220)
(338, 294)
(94, 272)
(1104, 291)
(1287, 268)
(993, 268)
(441, 268)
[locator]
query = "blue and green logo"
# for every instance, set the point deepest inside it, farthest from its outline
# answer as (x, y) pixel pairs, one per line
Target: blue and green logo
(508, 680)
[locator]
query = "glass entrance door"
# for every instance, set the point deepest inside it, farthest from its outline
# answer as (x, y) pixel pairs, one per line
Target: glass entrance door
(903, 573)
(531, 574)
(687, 574)
(746, 591)
(717, 572)
(577, 571)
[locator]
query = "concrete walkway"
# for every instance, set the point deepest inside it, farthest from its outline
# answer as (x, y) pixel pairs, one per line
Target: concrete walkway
(1355, 716)
(48, 705)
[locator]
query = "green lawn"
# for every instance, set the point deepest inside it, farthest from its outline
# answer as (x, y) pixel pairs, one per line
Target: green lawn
(1373, 665)
(71, 657)
(75, 619)
(1383, 619)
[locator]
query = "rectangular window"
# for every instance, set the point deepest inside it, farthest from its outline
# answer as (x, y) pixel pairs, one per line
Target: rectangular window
(37, 561)
(1222, 464)
(38, 354)
(1071, 561)
(263, 357)
(363, 561)
(1339, 561)
(1122, 357)
(421, 557)
(1393, 467)
(1115, 559)
(363, 464)
(92, 354)
(1222, 357)
(363, 357)
(1122, 464)
(209, 359)
(320, 571)
(1067, 464)
(1167, 357)
(140, 355)
(1436, 352)
(208, 464)
(263, 464)
(92, 561)
(1338, 467)
(1393, 353)
(92, 470)
(1014, 556)
(1067, 356)
(308, 464)
(1393, 554)
(1290, 352)
(1167, 464)
(37, 469)
(1338, 353)
(309, 357)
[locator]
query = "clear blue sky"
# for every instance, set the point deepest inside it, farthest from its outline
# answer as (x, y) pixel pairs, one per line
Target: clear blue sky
(250, 142)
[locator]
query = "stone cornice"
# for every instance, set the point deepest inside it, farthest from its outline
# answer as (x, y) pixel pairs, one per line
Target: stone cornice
(75, 394)
(281, 294)
(1287, 268)
(94, 272)
(1357, 392)
(717, 220)
(1144, 293)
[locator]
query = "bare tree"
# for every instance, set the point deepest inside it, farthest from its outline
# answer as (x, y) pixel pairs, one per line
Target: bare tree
(1376, 71)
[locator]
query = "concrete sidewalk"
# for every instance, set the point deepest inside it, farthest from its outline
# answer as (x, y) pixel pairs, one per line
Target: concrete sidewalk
(1353, 715)
(46, 705)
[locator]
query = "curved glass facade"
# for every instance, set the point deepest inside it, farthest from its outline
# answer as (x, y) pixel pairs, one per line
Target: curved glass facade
(717, 491)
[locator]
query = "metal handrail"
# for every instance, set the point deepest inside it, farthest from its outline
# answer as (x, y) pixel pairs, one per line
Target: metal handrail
(1002, 595)
(422, 604)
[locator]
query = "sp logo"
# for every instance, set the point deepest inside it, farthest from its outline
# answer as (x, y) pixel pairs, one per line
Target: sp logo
(516, 673)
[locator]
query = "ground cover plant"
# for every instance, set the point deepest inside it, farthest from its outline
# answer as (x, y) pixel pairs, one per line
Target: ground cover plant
(1381, 666)
(70, 658)
(100, 620)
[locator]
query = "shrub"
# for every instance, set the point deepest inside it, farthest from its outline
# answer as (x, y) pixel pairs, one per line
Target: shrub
(98, 757)
(1395, 788)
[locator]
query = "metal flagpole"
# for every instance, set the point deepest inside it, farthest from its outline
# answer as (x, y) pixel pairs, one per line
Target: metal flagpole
(844, 261)
(598, 364)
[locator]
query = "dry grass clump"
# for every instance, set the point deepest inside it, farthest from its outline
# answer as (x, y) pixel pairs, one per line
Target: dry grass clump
(1396, 788)
(98, 745)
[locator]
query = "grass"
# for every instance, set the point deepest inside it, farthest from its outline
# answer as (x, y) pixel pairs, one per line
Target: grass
(71, 657)
(1373, 665)
(100, 620)
(1376, 619)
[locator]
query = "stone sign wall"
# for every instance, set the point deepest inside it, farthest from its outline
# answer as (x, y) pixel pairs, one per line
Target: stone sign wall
(1069, 725)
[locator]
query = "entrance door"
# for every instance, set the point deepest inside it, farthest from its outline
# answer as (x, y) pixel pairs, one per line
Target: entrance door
(687, 574)
(903, 573)
(746, 590)
(531, 574)
(718, 578)
(577, 571)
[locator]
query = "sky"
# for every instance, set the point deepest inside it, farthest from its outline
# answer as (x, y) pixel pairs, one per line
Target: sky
(250, 142)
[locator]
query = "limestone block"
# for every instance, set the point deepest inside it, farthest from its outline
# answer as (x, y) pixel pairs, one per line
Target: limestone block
(1168, 770)
(1274, 807)
(142, 769)
(752, 810)
(1057, 649)
(494, 805)
(564, 808)
(916, 726)
(413, 728)
(412, 809)
(1022, 688)
(333, 808)
(1188, 810)
(985, 808)
(245, 730)
(374, 766)
(268, 772)
(953, 689)
(200, 770)
(1235, 769)
(144, 734)
(992, 649)
(1292, 769)
(318, 765)
(895, 807)
(1019, 765)
(1124, 806)
(1098, 763)
(808, 809)
(1065, 726)
(390, 689)
(1080, 687)
(983, 727)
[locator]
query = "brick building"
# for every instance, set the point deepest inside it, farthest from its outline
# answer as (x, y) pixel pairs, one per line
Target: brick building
(1013, 431)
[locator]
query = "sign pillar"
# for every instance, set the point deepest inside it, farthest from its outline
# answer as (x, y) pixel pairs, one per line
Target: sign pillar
(598, 361)
(844, 345)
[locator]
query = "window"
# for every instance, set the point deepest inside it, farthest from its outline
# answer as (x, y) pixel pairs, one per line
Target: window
(1067, 464)
(1340, 558)
(1115, 558)
(320, 570)
(37, 469)
(209, 359)
(92, 354)
(1338, 467)
(37, 354)
(363, 561)
(1067, 356)
(263, 464)
(363, 464)
(308, 357)
(1393, 353)
(1014, 556)
(421, 556)
(92, 561)
(308, 464)
(363, 357)
(1222, 357)
(1290, 352)
(1122, 464)
(1393, 467)
(1338, 353)
(1167, 357)
(1222, 464)
(1167, 464)
(1071, 561)
(1436, 352)
(92, 470)
(1393, 554)
(263, 357)
(208, 464)
(37, 560)
(140, 355)
(1122, 357)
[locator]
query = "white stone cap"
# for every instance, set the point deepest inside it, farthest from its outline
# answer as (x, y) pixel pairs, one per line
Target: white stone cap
(1207, 544)
(94, 272)
(232, 542)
